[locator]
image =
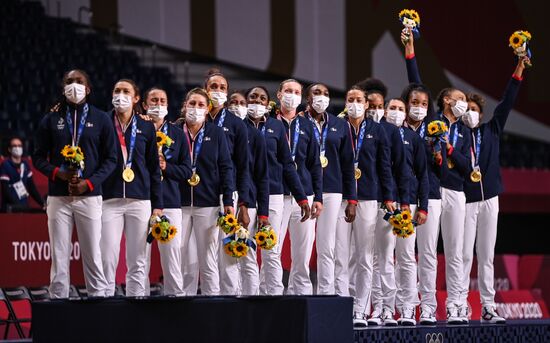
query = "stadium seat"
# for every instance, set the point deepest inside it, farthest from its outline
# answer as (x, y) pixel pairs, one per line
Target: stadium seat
(19, 302)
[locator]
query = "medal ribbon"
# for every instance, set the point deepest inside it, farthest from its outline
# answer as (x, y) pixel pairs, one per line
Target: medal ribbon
(126, 153)
(321, 139)
(76, 139)
(194, 149)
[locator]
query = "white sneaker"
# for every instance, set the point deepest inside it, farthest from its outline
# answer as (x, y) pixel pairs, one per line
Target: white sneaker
(376, 317)
(463, 313)
(452, 315)
(408, 316)
(427, 317)
(489, 315)
(359, 320)
(387, 317)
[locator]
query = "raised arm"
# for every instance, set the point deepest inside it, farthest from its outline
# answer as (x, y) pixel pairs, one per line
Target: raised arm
(509, 98)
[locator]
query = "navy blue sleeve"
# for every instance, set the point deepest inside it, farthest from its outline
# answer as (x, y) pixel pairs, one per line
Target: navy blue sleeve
(401, 170)
(261, 179)
(42, 148)
(347, 160)
(421, 171)
(313, 164)
(179, 167)
(290, 173)
(383, 165)
(413, 73)
(462, 157)
(107, 152)
(240, 159)
(152, 161)
(504, 107)
(225, 166)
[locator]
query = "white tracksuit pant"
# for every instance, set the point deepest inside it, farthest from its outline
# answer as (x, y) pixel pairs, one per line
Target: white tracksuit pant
(326, 241)
(342, 252)
(386, 243)
(202, 221)
(86, 213)
(302, 236)
(227, 265)
(170, 256)
(481, 227)
(362, 233)
(271, 271)
(130, 216)
(248, 265)
(189, 259)
(453, 212)
(426, 240)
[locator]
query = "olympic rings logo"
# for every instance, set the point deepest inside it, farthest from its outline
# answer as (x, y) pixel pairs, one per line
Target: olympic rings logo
(435, 337)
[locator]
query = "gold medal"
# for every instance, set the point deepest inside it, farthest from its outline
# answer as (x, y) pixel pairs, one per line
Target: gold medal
(357, 173)
(324, 161)
(475, 175)
(128, 174)
(450, 164)
(194, 180)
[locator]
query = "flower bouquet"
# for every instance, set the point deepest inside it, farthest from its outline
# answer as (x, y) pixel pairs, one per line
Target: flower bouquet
(437, 130)
(227, 223)
(411, 21)
(161, 230)
(266, 238)
(74, 159)
(519, 41)
(401, 222)
(237, 244)
(163, 141)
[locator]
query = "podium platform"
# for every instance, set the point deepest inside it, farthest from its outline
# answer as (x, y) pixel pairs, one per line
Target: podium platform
(195, 319)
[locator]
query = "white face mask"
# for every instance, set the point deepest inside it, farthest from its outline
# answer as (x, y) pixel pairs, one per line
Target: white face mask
(417, 113)
(238, 110)
(471, 119)
(122, 102)
(320, 103)
(157, 111)
(218, 98)
(291, 101)
(395, 117)
(195, 115)
(75, 92)
(256, 110)
(355, 109)
(17, 151)
(459, 108)
(376, 115)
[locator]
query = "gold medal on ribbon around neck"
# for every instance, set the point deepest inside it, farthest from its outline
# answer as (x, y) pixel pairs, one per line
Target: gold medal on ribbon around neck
(324, 161)
(357, 173)
(194, 180)
(475, 175)
(450, 164)
(128, 174)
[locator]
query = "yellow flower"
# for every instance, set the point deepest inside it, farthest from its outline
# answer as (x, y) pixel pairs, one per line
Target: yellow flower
(161, 138)
(241, 249)
(516, 40)
(432, 129)
(406, 216)
(156, 231)
(230, 220)
(228, 248)
(260, 238)
(526, 34)
(415, 16)
(172, 231)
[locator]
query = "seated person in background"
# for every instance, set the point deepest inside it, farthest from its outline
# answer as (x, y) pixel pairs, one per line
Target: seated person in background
(16, 179)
